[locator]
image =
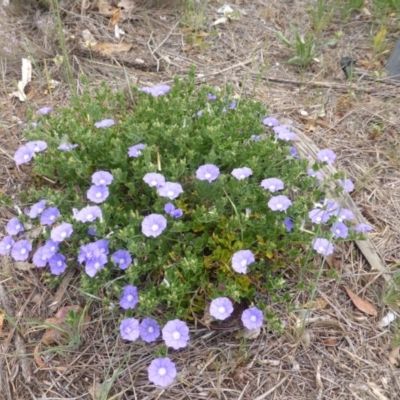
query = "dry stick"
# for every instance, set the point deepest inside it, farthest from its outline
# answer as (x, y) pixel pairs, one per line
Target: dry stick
(4, 152)
(263, 396)
(19, 342)
(157, 47)
(367, 247)
(329, 85)
(61, 291)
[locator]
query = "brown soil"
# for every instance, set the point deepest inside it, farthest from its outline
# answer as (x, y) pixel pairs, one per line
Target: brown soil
(335, 351)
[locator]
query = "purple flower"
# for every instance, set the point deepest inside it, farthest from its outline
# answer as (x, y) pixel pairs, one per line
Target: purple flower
(171, 190)
(241, 260)
(49, 216)
(102, 245)
(162, 372)
(270, 122)
(288, 224)
(157, 90)
(177, 213)
(170, 209)
(37, 146)
(66, 147)
(44, 110)
(122, 258)
(40, 258)
(293, 152)
(57, 264)
(207, 172)
(95, 264)
(61, 232)
(284, 133)
(347, 185)
(315, 174)
(252, 318)
(279, 203)
(322, 246)
(331, 207)
(221, 308)
(97, 194)
(340, 230)
(6, 244)
(129, 297)
(272, 184)
(175, 334)
(199, 113)
(104, 123)
(14, 226)
(136, 150)
(360, 228)
(319, 216)
(37, 208)
(91, 232)
(232, 106)
(88, 252)
(129, 329)
(153, 179)
(327, 156)
(211, 96)
(50, 248)
(100, 178)
(153, 225)
(88, 214)
(23, 155)
(20, 250)
(241, 173)
(344, 214)
(256, 138)
(149, 330)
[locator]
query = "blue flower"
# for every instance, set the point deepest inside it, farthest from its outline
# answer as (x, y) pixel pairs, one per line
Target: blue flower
(340, 230)
(6, 245)
(122, 258)
(252, 318)
(105, 123)
(129, 297)
(270, 122)
(207, 172)
(153, 225)
(149, 330)
(49, 216)
(363, 228)
(171, 190)
(129, 329)
(136, 150)
(44, 110)
(57, 264)
(327, 156)
(14, 226)
(170, 209)
(322, 246)
(157, 90)
(241, 173)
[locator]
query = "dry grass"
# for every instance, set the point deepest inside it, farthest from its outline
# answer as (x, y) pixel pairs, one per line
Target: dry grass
(335, 351)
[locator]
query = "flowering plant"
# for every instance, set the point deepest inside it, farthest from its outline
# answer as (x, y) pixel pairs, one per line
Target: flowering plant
(183, 198)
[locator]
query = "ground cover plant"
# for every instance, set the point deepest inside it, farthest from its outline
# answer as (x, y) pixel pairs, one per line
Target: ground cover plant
(174, 202)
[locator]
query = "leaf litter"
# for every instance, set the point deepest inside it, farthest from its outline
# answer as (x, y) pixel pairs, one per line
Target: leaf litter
(282, 98)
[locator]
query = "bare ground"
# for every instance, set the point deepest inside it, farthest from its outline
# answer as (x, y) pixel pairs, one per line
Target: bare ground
(340, 352)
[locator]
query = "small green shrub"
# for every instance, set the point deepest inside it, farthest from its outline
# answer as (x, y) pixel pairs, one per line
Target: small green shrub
(306, 49)
(231, 231)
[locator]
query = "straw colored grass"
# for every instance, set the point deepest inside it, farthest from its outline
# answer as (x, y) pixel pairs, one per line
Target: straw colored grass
(329, 350)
